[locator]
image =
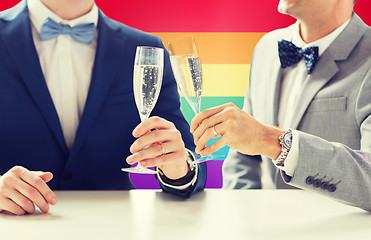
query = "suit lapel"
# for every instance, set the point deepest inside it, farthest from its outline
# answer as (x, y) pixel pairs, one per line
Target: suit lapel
(18, 38)
(326, 67)
(110, 51)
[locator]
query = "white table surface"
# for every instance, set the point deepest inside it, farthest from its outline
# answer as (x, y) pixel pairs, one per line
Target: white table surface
(213, 214)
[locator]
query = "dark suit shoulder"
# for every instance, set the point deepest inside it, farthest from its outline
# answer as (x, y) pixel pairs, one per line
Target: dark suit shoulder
(130, 32)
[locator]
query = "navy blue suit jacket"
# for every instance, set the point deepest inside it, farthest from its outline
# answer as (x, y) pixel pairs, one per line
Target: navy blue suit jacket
(30, 131)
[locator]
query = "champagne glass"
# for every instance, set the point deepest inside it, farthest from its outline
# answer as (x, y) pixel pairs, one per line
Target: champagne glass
(148, 71)
(187, 70)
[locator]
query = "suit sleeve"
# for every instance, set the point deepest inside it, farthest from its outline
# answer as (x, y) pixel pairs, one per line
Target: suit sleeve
(347, 169)
(168, 107)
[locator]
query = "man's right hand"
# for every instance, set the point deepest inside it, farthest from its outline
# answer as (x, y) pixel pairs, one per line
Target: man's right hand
(21, 190)
(238, 129)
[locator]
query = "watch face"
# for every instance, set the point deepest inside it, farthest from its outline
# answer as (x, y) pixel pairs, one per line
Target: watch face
(287, 140)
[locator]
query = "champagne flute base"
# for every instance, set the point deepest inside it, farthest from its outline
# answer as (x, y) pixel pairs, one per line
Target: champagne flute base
(210, 157)
(140, 170)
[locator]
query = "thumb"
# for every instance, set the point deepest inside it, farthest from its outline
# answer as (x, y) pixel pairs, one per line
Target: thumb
(46, 176)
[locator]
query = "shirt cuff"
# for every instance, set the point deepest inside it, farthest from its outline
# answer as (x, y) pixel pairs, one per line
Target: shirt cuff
(187, 185)
(292, 159)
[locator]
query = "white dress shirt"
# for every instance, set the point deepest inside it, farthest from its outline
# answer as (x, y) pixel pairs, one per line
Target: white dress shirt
(293, 78)
(67, 66)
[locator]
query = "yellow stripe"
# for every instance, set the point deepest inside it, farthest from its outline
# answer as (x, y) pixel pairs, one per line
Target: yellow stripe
(220, 48)
(224, 80)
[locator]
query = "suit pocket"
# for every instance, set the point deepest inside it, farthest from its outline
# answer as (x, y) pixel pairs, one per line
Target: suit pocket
(118, 99)
(328, 104)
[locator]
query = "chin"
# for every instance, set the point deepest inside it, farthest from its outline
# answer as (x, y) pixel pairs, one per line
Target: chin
(286, 6)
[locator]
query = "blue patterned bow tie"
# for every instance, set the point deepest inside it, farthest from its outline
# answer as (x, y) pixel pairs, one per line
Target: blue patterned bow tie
(83, 33)
(291, 54)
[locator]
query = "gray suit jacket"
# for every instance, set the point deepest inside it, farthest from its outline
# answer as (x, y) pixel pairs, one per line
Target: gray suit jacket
(333, 117)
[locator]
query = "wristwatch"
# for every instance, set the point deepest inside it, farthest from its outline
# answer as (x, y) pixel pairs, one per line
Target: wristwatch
(192, 164)
(191, 161)
(285, 141)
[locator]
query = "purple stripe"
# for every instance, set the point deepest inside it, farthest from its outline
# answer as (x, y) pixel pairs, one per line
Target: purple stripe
(214, 177)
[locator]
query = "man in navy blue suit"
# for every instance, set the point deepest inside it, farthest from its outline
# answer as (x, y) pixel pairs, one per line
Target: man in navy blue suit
(68, 118)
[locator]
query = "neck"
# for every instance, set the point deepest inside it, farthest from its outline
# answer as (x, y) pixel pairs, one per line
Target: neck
(69, 9)
(317, 26)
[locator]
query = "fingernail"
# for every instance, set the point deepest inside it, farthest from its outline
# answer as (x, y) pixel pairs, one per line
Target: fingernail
(46, 210)
(135, 133)
(129, 159)
(131, 149)
(143, 163)
(54, 201)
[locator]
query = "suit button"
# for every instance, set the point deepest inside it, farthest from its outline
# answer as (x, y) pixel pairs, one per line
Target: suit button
(325, 185)
(67, 175)
(331, 188)
(309, 180)
(317, 183)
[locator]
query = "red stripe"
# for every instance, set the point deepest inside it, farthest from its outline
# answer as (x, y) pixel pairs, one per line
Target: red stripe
(198, 15)
(201, 15)
(7, 4)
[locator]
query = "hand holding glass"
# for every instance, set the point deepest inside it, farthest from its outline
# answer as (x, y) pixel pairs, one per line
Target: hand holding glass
(148, 71)
(187, 70)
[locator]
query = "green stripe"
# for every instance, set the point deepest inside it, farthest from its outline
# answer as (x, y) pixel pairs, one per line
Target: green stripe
(208, 102)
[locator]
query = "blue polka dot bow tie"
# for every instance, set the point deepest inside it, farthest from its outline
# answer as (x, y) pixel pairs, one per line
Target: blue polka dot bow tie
(83, 33)
(290, 54)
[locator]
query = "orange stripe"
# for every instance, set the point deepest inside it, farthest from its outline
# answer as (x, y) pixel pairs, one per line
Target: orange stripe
(220, 48)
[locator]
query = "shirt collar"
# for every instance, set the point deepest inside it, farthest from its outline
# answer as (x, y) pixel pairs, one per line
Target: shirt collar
(39, 13)
(322, 43)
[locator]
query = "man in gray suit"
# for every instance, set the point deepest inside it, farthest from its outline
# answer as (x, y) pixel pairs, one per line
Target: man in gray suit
(321, 86)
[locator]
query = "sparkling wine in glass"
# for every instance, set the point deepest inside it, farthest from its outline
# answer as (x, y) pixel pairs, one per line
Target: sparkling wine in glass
(187, 70)
(148, 72)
